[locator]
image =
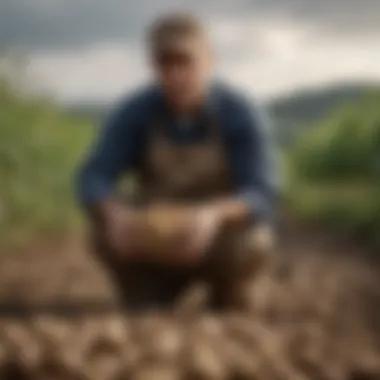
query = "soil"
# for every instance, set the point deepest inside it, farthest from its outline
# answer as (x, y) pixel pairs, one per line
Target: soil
(315, 315)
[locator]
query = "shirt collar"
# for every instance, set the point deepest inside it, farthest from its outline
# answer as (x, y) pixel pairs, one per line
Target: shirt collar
(209, 104)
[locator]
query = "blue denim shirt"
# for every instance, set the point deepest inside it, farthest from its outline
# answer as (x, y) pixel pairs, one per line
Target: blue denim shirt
(245, 131)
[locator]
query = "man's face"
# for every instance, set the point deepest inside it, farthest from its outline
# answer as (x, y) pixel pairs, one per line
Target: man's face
(184, 74)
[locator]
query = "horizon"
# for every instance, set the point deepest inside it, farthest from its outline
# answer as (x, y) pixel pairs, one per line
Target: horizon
(281, 96)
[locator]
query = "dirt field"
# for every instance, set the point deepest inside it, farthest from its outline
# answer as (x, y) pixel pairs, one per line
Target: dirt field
(316, 316)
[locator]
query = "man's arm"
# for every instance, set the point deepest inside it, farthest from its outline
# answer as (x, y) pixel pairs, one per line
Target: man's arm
(252, 156)
(115, 151)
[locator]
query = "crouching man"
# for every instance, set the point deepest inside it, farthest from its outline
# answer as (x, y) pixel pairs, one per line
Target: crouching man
(203, 162)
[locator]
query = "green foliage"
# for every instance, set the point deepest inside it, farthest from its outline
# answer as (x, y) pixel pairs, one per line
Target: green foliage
(336, 170)
(39, 148)
(345, 147)
(303, 110)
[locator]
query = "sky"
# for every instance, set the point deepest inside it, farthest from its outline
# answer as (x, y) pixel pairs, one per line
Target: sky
(93, 50)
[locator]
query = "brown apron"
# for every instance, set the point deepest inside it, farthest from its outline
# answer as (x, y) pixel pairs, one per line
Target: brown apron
(190, 172)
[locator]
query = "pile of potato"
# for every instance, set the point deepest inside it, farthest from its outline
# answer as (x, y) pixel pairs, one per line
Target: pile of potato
(314, 316)
(158, 347)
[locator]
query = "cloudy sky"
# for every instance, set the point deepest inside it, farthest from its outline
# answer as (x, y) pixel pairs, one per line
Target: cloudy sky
(92, 50)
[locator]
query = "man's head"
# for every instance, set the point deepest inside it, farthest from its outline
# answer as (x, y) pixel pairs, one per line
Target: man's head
(182, 59)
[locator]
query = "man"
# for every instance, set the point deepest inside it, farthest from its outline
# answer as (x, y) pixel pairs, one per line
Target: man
(188, 140)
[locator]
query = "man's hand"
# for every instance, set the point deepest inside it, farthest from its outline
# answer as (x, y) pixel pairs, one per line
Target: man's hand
(202, 231)
(208, 221)
(119, 226)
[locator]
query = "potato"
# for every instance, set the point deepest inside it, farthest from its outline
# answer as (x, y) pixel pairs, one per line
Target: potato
(156, 372)
(159, 230)
(160, 339)
(204, 363)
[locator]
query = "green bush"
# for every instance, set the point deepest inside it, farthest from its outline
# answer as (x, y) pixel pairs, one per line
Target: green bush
(335, 171)
(39, 148)
(347, 146)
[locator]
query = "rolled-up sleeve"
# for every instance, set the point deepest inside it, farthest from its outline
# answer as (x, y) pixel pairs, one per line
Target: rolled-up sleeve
(253, 155)
(114, 152)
